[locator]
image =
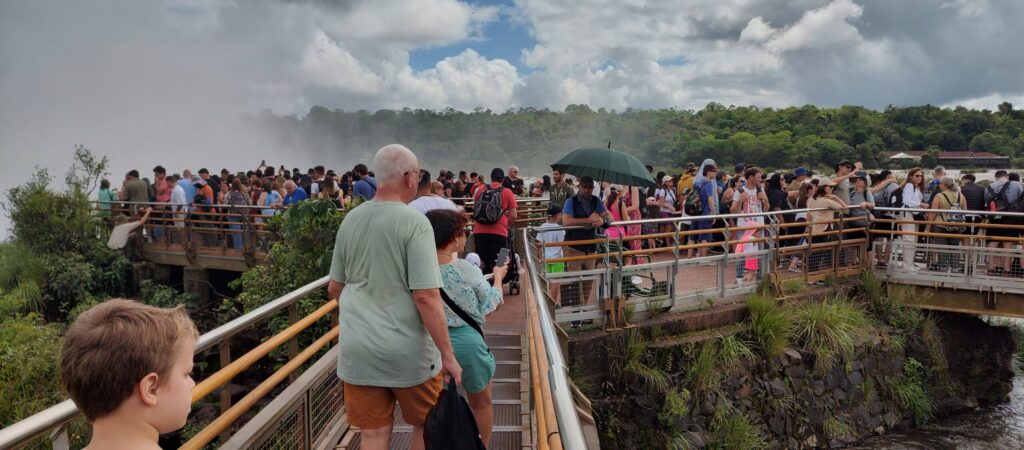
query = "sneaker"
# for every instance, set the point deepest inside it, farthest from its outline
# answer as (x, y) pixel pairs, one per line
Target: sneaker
(739, 281)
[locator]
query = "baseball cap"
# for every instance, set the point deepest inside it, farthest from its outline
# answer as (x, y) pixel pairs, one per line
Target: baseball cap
(666, 178)
(553, 210)
(497, 173)
(740, 167)
(801, 171)
(844, 162)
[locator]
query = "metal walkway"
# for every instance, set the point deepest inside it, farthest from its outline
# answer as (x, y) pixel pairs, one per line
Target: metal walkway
(510, 393)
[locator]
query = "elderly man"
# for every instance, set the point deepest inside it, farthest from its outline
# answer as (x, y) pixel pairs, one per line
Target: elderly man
(394, 335)
(513, 182)
(295, 193)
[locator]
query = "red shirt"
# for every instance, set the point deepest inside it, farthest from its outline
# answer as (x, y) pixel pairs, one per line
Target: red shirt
(508, 201)
(163, 191)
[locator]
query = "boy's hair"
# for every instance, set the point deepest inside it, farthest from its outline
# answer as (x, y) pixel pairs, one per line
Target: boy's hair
(115, 344)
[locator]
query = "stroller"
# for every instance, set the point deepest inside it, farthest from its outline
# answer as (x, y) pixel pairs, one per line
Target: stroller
(512, 276)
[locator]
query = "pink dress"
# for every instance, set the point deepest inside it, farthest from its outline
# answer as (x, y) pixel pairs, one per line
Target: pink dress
(616, 231)
(632, 230)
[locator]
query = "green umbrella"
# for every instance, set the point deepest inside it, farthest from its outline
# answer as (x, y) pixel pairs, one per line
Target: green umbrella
(605, 164)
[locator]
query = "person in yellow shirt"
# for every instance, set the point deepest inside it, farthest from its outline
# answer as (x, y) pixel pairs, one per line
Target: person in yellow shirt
(685, 184)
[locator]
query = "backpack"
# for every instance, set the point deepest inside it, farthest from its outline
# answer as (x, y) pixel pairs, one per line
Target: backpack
(955, 215)
(692, 204)
(999, 201)
(488, 210)
(896, 198)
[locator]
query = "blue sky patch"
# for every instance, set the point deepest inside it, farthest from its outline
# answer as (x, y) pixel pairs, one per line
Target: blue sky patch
(503, 38)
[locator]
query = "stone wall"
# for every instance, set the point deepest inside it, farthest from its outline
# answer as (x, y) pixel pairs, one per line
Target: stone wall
(791, 405)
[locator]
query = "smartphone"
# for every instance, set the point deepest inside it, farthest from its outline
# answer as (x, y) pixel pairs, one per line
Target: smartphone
(502, 258)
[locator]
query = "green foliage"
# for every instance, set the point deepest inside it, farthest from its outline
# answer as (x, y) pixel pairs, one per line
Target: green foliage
(830, 329)
(769, 137)
(794, 286)
(703, 375)
(871, 285)
(770, 326)
(633, 366)
(910, 391)
(654, 306)
(55, 222)
(28, 367)
(302, 255)
(836, 428)
(676, 406)
(733, 351)
(732, 429)
(628, 311)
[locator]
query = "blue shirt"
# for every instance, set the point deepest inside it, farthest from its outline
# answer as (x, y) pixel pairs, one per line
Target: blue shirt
(708, 189)
(366, 188)
(190, 190)
(296, 196)
(567, 209)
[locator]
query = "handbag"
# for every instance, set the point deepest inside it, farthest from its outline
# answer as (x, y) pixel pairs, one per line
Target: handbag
(450, 424)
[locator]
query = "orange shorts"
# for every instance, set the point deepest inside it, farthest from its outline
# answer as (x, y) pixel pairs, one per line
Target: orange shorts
(371, 407)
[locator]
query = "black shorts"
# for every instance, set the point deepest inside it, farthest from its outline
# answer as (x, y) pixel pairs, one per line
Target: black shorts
(882, 226)
(1002, 232)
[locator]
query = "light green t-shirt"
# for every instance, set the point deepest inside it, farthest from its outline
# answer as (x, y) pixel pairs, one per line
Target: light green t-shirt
(383, 251)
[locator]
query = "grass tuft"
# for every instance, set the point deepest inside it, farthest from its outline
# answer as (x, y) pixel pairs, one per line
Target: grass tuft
(910, 392)
(830, 330)
(770, 326)
(635, 368)
(732, 429)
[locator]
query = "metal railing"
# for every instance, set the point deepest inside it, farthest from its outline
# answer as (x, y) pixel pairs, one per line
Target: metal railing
(641, 280)
(552, 397)
(53, 420)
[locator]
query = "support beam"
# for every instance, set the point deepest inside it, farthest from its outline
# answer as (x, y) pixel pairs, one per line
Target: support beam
(962, 301)
(197, 281)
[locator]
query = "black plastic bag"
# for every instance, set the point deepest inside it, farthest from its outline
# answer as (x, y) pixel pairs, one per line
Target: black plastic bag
(450, 423)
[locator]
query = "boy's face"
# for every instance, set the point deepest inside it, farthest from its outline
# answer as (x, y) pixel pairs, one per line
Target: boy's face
(175, 392)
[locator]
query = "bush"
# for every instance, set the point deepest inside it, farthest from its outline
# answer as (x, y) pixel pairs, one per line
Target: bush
(732, 429)
(910, 392)
(770, 326)
(29, 371)
(830, 329)
(634, 367)
(22, 273)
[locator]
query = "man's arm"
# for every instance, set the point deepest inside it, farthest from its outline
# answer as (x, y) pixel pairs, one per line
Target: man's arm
(334, 289)
(431, 310)
(840, 178)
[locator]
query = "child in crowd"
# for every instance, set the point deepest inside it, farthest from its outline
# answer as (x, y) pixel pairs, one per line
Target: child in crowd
(549, 237)
(127, 366)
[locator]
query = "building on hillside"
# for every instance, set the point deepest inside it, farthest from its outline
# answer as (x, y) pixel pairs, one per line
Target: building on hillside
(957, 159)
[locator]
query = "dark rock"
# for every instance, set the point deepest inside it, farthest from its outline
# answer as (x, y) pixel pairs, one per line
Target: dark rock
(839, 394)
(796, 371)
(856, 377)
(819, 387)
(793, 356)
(743, 392)
(777, 423)
(890, 419)
(778, 387)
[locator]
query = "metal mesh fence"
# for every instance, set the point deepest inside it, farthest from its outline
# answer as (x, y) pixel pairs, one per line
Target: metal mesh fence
(287, 433)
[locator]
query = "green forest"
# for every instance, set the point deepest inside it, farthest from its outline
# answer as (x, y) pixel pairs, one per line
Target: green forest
(774, 138)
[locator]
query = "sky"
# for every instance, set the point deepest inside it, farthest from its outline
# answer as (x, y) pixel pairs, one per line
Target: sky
(164, 81)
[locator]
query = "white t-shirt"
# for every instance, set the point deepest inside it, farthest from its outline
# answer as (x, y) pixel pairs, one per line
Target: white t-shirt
(430, 202)
(178, 200)
(753, 206)
(119, 235)
(670, 199)
(551, 236)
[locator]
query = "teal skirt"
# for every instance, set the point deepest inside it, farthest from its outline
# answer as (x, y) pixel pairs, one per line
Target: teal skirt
(472, 354)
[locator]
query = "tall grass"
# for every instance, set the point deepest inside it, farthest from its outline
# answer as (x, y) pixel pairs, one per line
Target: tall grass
(635, 368)
(830, 330)
(770, 326)
(22, 274)
(704, 374)
(871, 285)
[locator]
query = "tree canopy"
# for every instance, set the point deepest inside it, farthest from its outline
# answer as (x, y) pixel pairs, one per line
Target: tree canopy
(666, 138)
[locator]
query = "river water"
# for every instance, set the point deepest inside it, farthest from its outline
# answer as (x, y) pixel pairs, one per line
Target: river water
(998, 427)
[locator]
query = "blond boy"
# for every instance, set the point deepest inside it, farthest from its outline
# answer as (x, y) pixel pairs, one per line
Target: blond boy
(128, 368)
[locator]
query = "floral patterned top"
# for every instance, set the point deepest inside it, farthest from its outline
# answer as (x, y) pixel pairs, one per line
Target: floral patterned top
(466, 286)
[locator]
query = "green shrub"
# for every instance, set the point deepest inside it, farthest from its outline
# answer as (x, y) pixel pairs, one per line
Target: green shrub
(29, 371)
(676, 406)
(733, 352)
(830, 330)
(909, 390)
(871, 286)
(770, 326)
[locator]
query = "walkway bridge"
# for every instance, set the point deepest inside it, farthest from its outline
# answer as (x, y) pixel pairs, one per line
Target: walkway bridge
(300, 405)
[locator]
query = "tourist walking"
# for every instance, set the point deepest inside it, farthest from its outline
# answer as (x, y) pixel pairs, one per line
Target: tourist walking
(466, 289)
(749, 199)
(393, 344)
(494, 209)
(708, 191)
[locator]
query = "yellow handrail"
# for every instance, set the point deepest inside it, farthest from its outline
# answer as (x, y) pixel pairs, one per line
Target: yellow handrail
(226, 373)
(211, 431)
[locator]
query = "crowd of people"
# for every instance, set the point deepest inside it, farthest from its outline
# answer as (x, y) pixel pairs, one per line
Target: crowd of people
(412, 303)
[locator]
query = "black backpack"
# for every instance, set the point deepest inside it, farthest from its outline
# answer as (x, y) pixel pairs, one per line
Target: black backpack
(488, 210)
(896, 198)
(692, 204)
